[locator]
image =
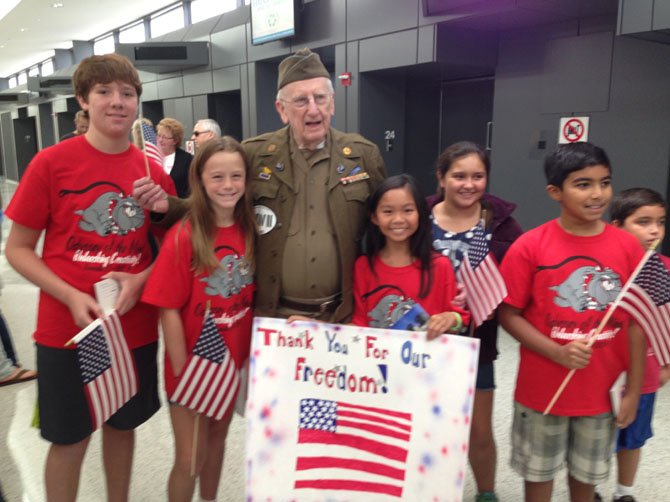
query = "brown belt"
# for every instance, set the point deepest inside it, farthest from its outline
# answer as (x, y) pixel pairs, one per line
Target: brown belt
(329, 306)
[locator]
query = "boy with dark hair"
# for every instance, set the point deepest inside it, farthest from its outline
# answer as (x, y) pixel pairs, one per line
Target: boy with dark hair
(562, 277)
(78, 193)
(641, 212)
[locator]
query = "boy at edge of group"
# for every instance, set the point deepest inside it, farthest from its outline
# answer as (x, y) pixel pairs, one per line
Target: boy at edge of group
(561, 277)
(78, 193)
(641, 212)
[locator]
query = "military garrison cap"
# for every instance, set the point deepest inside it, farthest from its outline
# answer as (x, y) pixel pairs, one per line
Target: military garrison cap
(302, 65)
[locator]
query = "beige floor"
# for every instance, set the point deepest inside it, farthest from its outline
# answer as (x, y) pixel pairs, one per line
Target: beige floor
(22, 451)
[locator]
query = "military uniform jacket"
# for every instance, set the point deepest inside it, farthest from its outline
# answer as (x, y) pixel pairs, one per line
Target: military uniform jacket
(274, 195)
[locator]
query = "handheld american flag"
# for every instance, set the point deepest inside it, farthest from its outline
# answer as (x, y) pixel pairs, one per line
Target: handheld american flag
(343, 446)
(150, 143)
(210, 380)
(648, 301)
(107, 369)
(484, 286)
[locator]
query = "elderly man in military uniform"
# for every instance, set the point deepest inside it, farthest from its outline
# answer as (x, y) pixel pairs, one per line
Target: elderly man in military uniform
(310, 187)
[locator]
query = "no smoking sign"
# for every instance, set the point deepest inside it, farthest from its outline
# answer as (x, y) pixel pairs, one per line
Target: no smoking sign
(573, 129)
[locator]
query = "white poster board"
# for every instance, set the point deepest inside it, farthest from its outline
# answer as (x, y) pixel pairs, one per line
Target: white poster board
(346, 413)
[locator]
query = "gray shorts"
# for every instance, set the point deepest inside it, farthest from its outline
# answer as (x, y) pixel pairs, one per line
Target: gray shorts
(542, 444)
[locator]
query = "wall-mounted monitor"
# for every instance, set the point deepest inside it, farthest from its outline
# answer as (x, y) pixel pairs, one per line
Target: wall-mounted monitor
(272, 20)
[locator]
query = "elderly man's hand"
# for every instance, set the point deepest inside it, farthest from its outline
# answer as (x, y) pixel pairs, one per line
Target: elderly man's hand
(150, 196)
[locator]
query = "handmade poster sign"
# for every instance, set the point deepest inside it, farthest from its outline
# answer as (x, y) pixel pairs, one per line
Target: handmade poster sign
(342, 413)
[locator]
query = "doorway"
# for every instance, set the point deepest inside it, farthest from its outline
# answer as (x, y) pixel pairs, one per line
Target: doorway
(25, 140)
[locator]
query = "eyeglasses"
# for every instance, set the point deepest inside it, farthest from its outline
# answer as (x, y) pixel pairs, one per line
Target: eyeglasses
(198, 133)
(303, 101)
(166, 138)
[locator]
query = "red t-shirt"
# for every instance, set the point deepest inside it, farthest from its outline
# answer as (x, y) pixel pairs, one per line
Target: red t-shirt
(81, 198)
(563, 284)
(380, 296)
(230, 291)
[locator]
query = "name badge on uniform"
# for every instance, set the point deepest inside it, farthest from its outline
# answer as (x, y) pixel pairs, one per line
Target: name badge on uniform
(356, 177)
(265, 173)
(266, 219)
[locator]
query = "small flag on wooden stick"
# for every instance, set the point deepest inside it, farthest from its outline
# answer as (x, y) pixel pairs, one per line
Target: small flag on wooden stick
(210, 380)
(107, 368)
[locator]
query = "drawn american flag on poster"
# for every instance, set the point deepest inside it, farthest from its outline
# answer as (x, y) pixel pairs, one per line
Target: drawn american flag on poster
(150, 144)
(210, 380)
(484, 286)
(343, 446)
(107, 369)
(648, 301)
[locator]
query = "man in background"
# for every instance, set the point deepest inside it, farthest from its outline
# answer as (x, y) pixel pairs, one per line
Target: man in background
(80, 125)
(203, 130)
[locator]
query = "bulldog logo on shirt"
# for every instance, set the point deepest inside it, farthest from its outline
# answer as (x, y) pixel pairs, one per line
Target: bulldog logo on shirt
(110, 213)
(390, 308)
(588, 288)
(231, 277)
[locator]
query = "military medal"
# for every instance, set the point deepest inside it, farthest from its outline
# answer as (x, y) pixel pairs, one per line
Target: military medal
(356, 177)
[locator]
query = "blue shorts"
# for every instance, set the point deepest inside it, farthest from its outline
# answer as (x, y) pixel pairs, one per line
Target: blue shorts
(485, 377)
(636, 434)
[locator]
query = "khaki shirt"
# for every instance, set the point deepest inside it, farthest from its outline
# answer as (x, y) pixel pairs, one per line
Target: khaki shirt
(277, 187)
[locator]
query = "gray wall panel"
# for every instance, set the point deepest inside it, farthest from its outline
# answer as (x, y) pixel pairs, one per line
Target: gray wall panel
(170, 88)
(389, 51)
(226, 79)
(277, 49)
(60, 105)
(202, 29)
(147, 76)
(426, 44)
(576, 73)
(518, 125)
(382, 111)
(200, 109)
(266, 93)
(367, 18)
(353, 116)
(253, 99)
(422, 121)
(661, 15)
(46, 125)
(635, 128)
(635, 15)
(170, 108)
(198, 83)
(341, 92)
(149, 91)
(183, 110)
(321, 23)
(245, 101)
(11, 169)
(229, 47)
(466, 47)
